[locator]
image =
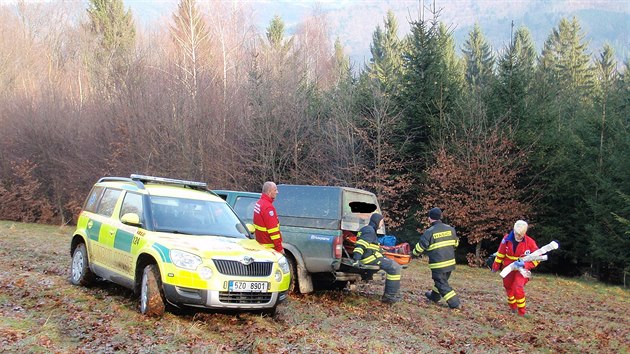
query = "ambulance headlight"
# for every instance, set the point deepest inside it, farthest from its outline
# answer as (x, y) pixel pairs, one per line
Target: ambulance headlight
(185, 260)
(284, 264)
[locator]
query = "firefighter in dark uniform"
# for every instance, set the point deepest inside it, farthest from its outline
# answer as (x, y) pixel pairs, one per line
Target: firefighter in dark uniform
(439, 242)
(368, 251)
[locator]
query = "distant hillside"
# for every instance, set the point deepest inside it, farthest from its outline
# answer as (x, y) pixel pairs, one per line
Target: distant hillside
(598, 26)
(354, 22)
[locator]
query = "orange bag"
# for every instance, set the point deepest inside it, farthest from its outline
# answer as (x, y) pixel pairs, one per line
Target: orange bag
(401, 259)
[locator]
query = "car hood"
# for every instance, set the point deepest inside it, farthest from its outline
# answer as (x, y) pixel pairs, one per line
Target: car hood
(213, 246)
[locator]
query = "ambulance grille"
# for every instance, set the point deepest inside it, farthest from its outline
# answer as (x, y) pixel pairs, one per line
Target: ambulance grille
(244, 298)
(236, 268)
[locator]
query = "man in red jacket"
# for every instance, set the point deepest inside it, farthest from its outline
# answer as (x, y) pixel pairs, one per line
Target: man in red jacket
(266, 219)
(515, 245)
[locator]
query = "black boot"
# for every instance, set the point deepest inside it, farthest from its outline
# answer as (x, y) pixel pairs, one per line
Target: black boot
(390, 298)
(432, 296)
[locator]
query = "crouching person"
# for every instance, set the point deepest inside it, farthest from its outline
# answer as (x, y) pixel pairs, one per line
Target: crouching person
(368, 251)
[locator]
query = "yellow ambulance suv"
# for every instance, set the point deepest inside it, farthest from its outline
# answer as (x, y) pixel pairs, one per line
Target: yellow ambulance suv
(177, 245)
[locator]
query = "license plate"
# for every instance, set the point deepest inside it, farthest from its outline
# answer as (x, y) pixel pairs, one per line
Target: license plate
(248, 286)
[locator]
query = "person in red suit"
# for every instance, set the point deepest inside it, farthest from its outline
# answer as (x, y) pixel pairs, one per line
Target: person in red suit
(266, 219)
(515, 245)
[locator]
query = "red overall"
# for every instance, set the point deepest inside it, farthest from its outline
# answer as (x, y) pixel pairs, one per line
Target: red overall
(510, 251)
(266, 224)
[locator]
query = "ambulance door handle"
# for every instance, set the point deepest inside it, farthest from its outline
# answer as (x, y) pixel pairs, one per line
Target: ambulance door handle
(111, 232)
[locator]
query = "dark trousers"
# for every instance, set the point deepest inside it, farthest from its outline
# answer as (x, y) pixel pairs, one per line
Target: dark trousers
(392, 282)
(442, 289)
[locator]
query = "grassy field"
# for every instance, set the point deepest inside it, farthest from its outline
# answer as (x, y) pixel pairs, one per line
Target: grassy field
(40, 311)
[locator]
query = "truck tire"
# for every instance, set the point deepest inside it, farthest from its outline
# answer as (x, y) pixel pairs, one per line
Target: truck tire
(80, 273)
(151, 293)
(294, 285)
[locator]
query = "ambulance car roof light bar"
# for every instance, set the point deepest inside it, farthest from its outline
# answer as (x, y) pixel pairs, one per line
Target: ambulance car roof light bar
(143, 178)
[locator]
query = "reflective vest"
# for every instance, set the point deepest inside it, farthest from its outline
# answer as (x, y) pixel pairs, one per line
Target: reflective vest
(266, 224)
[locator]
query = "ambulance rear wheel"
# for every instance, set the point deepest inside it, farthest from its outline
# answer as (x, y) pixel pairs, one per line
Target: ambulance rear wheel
(80, 273)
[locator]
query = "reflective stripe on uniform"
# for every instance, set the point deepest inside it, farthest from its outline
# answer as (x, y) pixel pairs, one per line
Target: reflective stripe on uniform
(449, 295)
(511, 300)
(393, 276)
(442, 244)
(260, 228)
(274, 237)
(442, 264)
(368, 259)
(363, 243)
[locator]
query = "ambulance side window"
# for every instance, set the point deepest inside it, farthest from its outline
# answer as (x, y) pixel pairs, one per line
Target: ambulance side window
(108, 202)
(92, 201)
(132, 204)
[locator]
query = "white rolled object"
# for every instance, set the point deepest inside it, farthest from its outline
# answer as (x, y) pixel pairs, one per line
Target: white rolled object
(534, 256)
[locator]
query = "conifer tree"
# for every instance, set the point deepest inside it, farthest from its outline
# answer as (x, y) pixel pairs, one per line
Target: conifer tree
(515, 79)
(479, 60)
(432, 81)
(565, 67)
(386, 63)
(608, 242)
(341, 62)
(115, 34)
(562, 158)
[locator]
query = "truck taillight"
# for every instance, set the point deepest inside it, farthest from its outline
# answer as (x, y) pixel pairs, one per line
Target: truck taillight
(337, 247)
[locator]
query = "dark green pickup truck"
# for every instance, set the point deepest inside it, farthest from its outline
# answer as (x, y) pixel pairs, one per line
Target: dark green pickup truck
(317, 224)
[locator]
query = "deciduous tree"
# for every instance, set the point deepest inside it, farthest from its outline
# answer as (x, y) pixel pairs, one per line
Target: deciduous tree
(474, 180)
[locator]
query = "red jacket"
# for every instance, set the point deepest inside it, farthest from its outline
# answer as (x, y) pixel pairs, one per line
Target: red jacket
(506, 253)
(266, 223)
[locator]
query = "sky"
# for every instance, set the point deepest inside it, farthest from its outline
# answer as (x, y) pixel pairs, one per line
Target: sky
(354, 21)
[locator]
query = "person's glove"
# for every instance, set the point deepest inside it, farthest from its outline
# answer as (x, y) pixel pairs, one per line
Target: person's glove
(356, 263)
(519, 264)
(495, 267)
